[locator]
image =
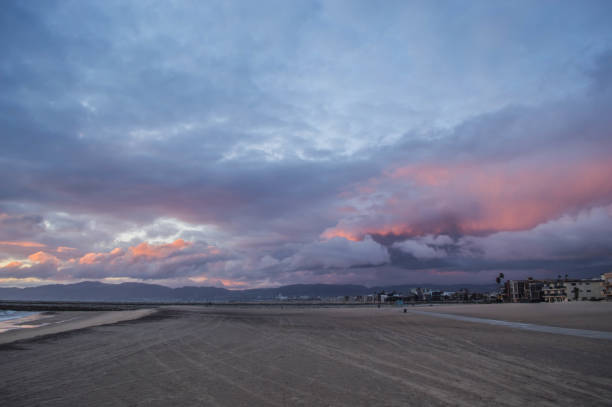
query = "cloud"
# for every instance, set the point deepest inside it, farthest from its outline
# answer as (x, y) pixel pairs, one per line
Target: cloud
(144, 261)
(18, 226)
(339, 253)
(516, 194)
(22, 244)
(248, 149)
(585, 235)
(428, 247)
(12, 264)
(147, 251)
(503, 171)
(575, 244)
(44, 258)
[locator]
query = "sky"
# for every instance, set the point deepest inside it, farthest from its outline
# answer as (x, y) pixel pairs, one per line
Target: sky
(256, 144)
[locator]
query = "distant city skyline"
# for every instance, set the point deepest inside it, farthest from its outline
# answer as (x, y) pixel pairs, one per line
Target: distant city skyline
(260, 144)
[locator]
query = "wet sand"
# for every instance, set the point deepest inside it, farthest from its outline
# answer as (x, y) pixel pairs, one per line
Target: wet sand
(288, 356)
(49, 323)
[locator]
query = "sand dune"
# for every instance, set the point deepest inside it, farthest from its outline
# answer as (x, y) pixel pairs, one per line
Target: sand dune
(312, 357)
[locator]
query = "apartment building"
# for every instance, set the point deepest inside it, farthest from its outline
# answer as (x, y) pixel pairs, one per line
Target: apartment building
(584, 290)
(554, 291)
(607, 284)
(524, 290)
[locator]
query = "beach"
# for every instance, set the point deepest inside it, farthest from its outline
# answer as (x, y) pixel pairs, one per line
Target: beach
(39, 324)
(12, 319)
(578, 315)
(315, 356)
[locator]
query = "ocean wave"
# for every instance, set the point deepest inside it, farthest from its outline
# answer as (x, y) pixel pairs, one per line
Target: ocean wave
(12, 314)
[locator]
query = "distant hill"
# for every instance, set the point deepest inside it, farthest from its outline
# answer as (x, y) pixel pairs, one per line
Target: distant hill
(96, 291)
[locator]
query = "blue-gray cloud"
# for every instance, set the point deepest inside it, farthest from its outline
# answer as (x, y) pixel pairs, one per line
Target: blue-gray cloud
(258, 127)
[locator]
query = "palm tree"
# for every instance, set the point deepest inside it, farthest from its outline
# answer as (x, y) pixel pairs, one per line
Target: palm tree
(499, 279)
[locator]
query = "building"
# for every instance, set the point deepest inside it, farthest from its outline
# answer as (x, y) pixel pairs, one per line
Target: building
(418, 294)
(584, 290)
(524, 290)
(554, 291)
(515, 290)
(574, 290)
(437, 295)
(534, 290)
(607, 284)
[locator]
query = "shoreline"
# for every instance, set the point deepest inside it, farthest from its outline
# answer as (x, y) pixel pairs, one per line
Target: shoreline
(65, 321)
(20, 320)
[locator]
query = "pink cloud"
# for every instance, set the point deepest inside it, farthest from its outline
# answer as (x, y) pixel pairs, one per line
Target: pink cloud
(141, 252)
(143, 261)
(150, 251)
(22, 244)
(44, 258)
(13, 265)
(478, 198)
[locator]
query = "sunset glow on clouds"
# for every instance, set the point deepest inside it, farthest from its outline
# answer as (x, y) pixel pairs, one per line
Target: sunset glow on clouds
(148, 261)
(22, 244)
(247, 145)
(479, 198)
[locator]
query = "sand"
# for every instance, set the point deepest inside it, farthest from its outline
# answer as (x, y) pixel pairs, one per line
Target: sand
(249, 356)
(579, 315)
(50, 323)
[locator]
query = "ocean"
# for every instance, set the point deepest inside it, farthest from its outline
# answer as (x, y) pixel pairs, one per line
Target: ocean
(10, 319)
(10, 314)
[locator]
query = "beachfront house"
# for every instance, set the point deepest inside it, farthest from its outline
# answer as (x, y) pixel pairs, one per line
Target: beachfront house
(584, 290)
(554, 291)
(607, 283)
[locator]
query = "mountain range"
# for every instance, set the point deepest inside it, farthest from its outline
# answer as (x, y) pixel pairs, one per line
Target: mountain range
(97, 291)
